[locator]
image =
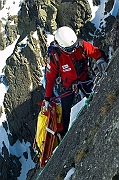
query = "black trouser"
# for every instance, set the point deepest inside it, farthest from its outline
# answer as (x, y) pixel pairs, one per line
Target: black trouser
(86, 86)
(68, 101)
(66, 109)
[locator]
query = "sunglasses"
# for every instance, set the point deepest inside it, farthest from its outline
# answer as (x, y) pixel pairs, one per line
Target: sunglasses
(68, 49)
(71, 48)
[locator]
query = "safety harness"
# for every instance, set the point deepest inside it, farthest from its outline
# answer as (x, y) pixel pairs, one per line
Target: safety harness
(74, 85)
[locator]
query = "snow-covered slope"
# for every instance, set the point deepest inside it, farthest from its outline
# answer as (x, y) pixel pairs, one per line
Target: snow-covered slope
(12, 7)
(98, 12)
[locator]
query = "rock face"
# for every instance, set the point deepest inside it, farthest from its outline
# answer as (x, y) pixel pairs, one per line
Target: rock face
(10, 165)
(112, 38)
(23, 67)
(79, 14)
(23, 74)
(91, 146)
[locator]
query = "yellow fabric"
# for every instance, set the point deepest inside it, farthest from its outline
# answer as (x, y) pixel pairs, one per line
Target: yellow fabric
(41, 126)
(41, 129)
(59, 112)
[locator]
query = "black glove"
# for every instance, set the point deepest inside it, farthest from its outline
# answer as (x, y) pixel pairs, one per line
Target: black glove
(101, 65)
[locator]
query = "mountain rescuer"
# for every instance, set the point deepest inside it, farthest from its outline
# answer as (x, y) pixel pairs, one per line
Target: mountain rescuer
(67, 65)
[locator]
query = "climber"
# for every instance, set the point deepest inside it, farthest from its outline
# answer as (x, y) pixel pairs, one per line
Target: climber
(67, 65)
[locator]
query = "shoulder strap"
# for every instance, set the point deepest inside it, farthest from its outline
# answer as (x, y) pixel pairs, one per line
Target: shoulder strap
(81, 44)
(54, 53)
(57, 63)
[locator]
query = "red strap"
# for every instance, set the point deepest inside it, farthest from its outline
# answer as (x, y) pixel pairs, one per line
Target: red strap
(67, 93)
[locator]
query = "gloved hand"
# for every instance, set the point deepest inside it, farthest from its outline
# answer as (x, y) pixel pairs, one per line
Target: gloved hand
(45, 105)
(101, 65)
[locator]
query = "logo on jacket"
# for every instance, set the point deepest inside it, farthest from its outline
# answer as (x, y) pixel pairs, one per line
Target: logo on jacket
(48, 67)
(66, 68)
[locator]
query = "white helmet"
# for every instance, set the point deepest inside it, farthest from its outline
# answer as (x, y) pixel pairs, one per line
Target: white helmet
(65, 38)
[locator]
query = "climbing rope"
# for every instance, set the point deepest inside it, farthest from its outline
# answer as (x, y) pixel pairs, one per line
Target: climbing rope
(87, 101)
(95, 89)
(85, 105)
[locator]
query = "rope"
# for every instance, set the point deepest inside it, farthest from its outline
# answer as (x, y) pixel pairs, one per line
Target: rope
(85, 105)
(96, 81)
(67, 93)
(77, 117)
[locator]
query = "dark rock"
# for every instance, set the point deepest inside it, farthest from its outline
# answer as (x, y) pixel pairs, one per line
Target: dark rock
(12, 138)
(74, 14)
(1, 111)
(109, 23)
(112, 38)
(109, 5)
(87, 31)
(10, 165)
(91, 145)
(23, 76)
(25, 155)
(2, 41)
(96, 2)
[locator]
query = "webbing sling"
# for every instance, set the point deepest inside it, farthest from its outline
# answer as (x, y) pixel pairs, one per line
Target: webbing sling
(85, 105)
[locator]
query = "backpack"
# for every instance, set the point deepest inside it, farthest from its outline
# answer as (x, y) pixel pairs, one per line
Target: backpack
(57, 53)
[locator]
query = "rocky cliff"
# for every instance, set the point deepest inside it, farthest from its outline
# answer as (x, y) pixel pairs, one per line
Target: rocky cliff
(91, 145)
(23, 77)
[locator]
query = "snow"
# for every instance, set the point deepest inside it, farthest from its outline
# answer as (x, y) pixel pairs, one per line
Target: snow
(70, 172)
(12, 7)
(43, 76)
(98, 15)
(93, 9)
(24, 43)
(75, 110)
(19, 148)
(5, 54)
(50, 38)
(35, 35)
(115, 8)
(3, 89)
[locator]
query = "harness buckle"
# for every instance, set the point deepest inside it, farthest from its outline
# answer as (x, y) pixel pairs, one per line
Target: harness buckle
(58, 80)
(75, 87)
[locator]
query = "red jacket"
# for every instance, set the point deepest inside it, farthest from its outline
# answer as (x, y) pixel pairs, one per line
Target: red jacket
(72, 66)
